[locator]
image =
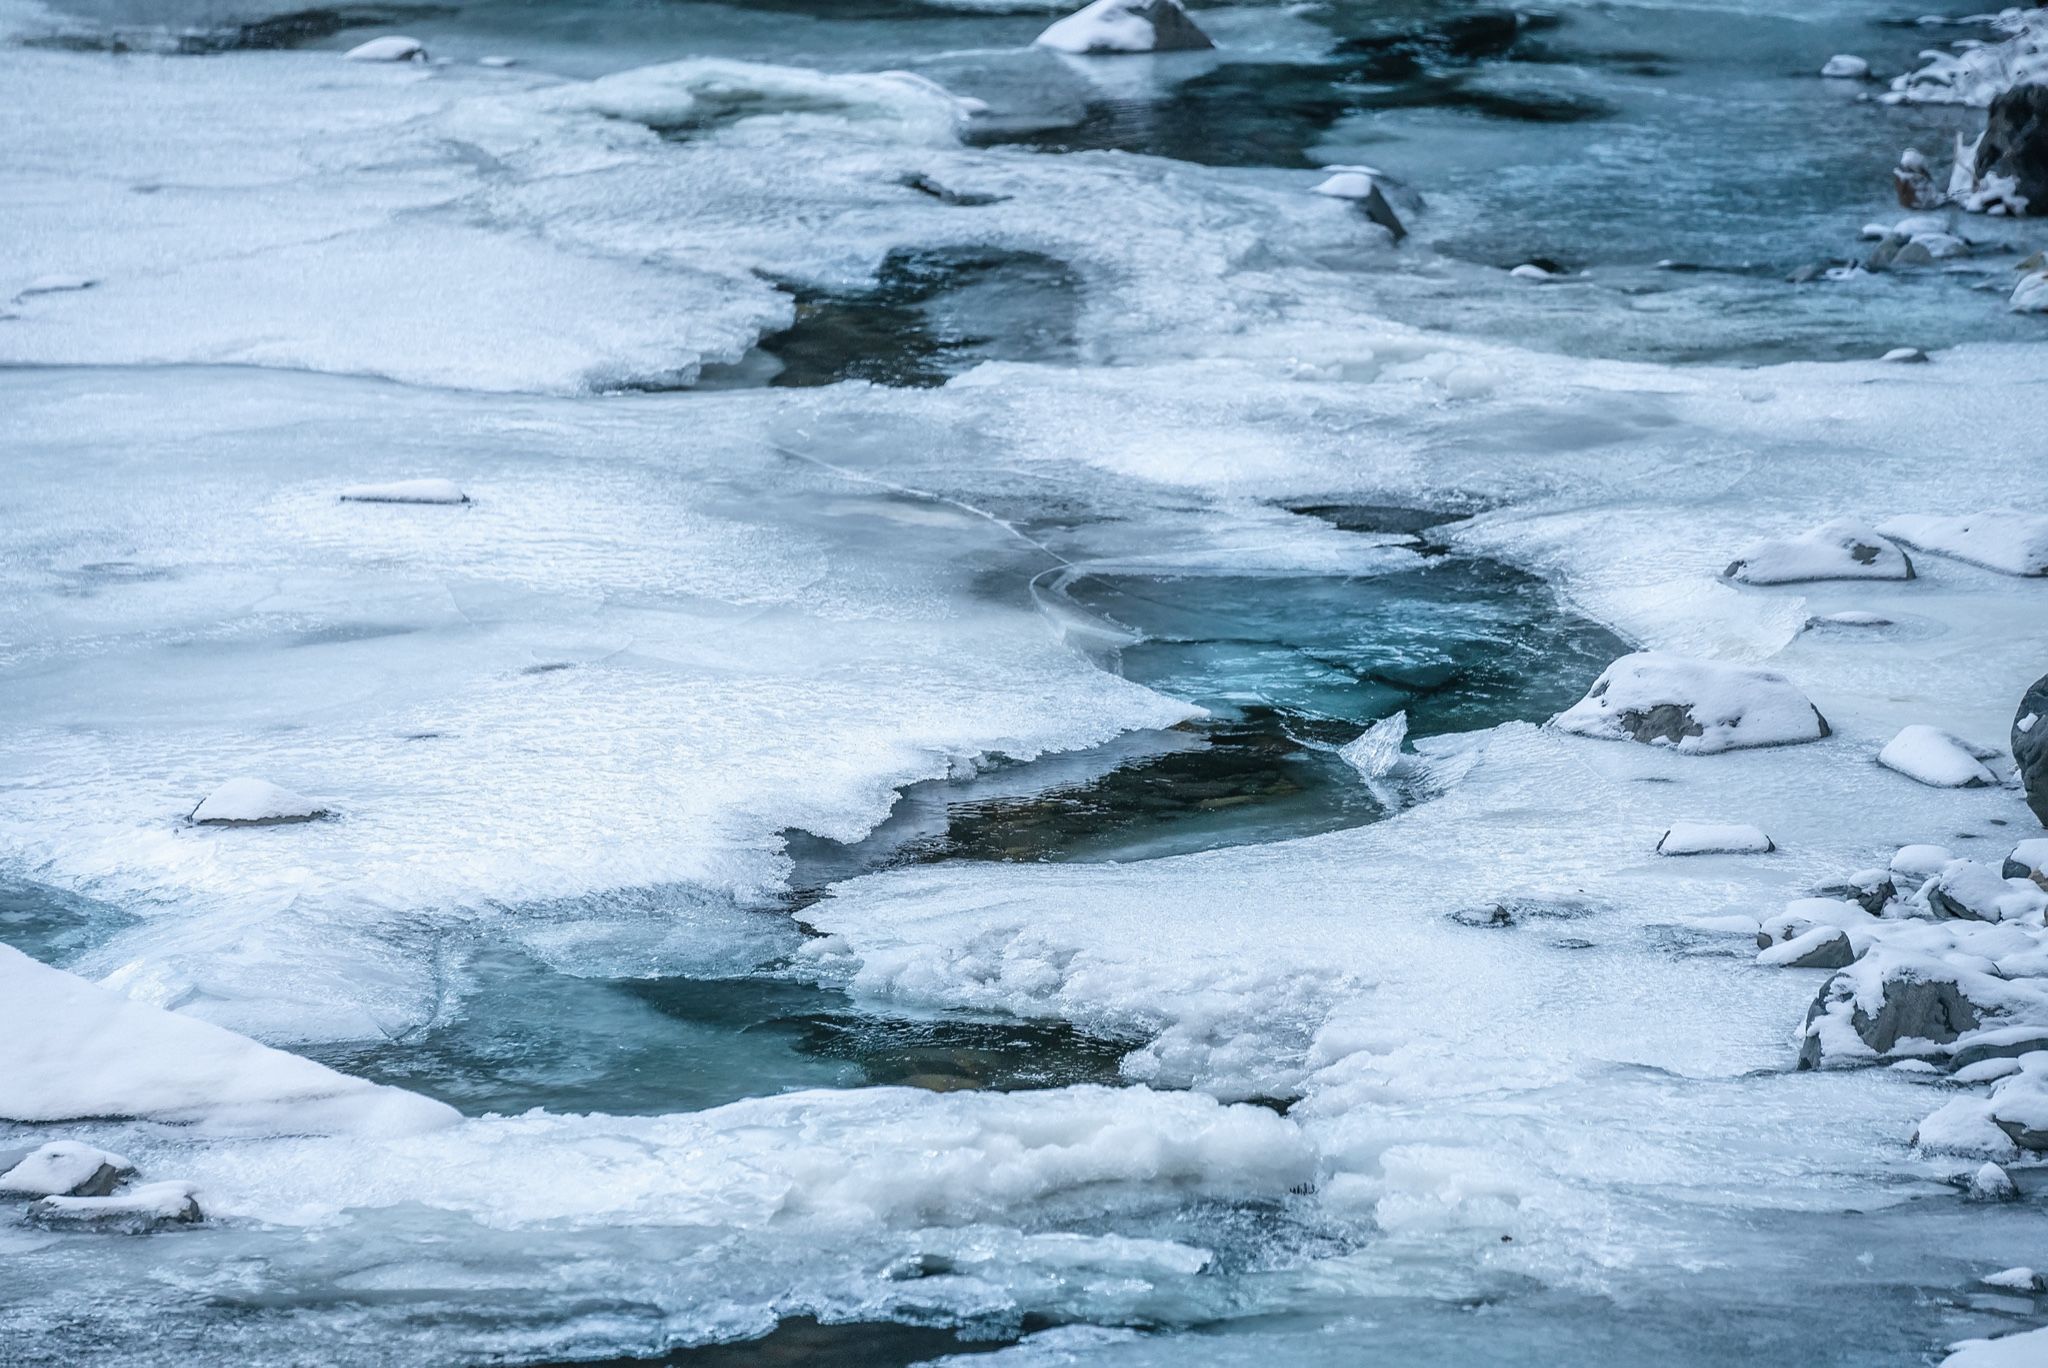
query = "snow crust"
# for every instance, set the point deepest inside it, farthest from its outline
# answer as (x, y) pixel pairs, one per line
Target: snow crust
(69, 1049)
(2014, 543)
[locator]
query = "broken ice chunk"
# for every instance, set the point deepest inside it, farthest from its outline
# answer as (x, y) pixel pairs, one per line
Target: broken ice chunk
(255, 802)
(1937, 758)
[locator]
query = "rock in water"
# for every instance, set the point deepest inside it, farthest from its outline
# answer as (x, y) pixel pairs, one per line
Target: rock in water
(151, 1206)
(1834, 550)
(406, 491)
(65, 1168)
(1361, 185)
(1108, 27)
(1992, 1184)
(1694, 706)
(2030, 746)
(1711, 838)
(392, 48)
(1974, 891)
(255, 802)
(1913, 998)
(2005, 540)
(1936, 758)
(2029, 860)
(1843, 67)
(2015, 147)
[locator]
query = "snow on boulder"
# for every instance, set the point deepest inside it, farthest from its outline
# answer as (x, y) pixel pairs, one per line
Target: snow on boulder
(2016, 1280)
(1975, 891)
(1714, 838)
(1834, 550)
(1116, 26)
(150, 1206)
(255, 802)
(2011, 542)
(1991, 1183)
(1891, 1003)
(1843, 67)
(406, 491)
(1910, 356)
(391, 48)
(1365, 187)
(1936, 758)
(2029, 860)
(1536, 271)
(71, 1050)
(1921, 862)
(1824, 947)
(1698, 707)
(2030, 746)
(2031, 294)
(65, 1168)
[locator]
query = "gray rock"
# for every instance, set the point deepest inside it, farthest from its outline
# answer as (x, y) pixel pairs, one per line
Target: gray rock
(2015, 144)
(2021, 1134)
(2028, 860)
(1831, 950)
(1992, 1184)
(1915, 1006)
(1977, 1051)
(139, 1210)
(1869, 889)
(64, 1168)
(2030, 746)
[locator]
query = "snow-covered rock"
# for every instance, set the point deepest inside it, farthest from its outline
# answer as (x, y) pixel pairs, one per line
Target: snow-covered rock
(2030, 295)
(2013, 152)
(136, 1211)
(1695, 706)
(1530, 270)
(1844, 67)
(65, 1168)
(1975, 890)
(1120, 26)
(390, 48)
(430, 491)
(70, 1049)
(2005, 540)
(1910, 356)
(1834, 550)
(2028, 860)
(1990, 1183)
(1921, 862)
(1937, 758)
(1977, 73)
(255, 802)
(1367, 188)
(1888, 1002)
(1823, 947)
(1714, 838)
(2016, 1280)
(2030, 746)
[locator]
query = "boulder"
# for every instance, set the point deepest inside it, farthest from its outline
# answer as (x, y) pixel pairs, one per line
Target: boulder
(1843, 67)
(2015, 147)
(150, 1206)
(2031, 294)
(2030, 746)
(1911, 356)
(1992, 1184)
(255, 802)
(1365, 187)
(65, 1168)
(1869, 889)
(1866, 1010)
(1714, 838)
(391, 48)
(1916, 864)
(2028, 860)
(1937, 759)
(1697, 707)
(1109, 27)
(1834, 550)
(1974, 891)
(1824, 947)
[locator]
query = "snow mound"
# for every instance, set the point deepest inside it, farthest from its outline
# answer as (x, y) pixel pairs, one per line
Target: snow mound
(1696, 707)
(2011, 542)
(1834, 550)
(406, 491)
(1117, 26)
(1934, 757)
(1713, 838)
(390, 48)
(70, 1049)
(255, 802)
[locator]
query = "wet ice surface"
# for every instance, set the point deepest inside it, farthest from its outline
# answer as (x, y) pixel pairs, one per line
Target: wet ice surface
(1120, 1018)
